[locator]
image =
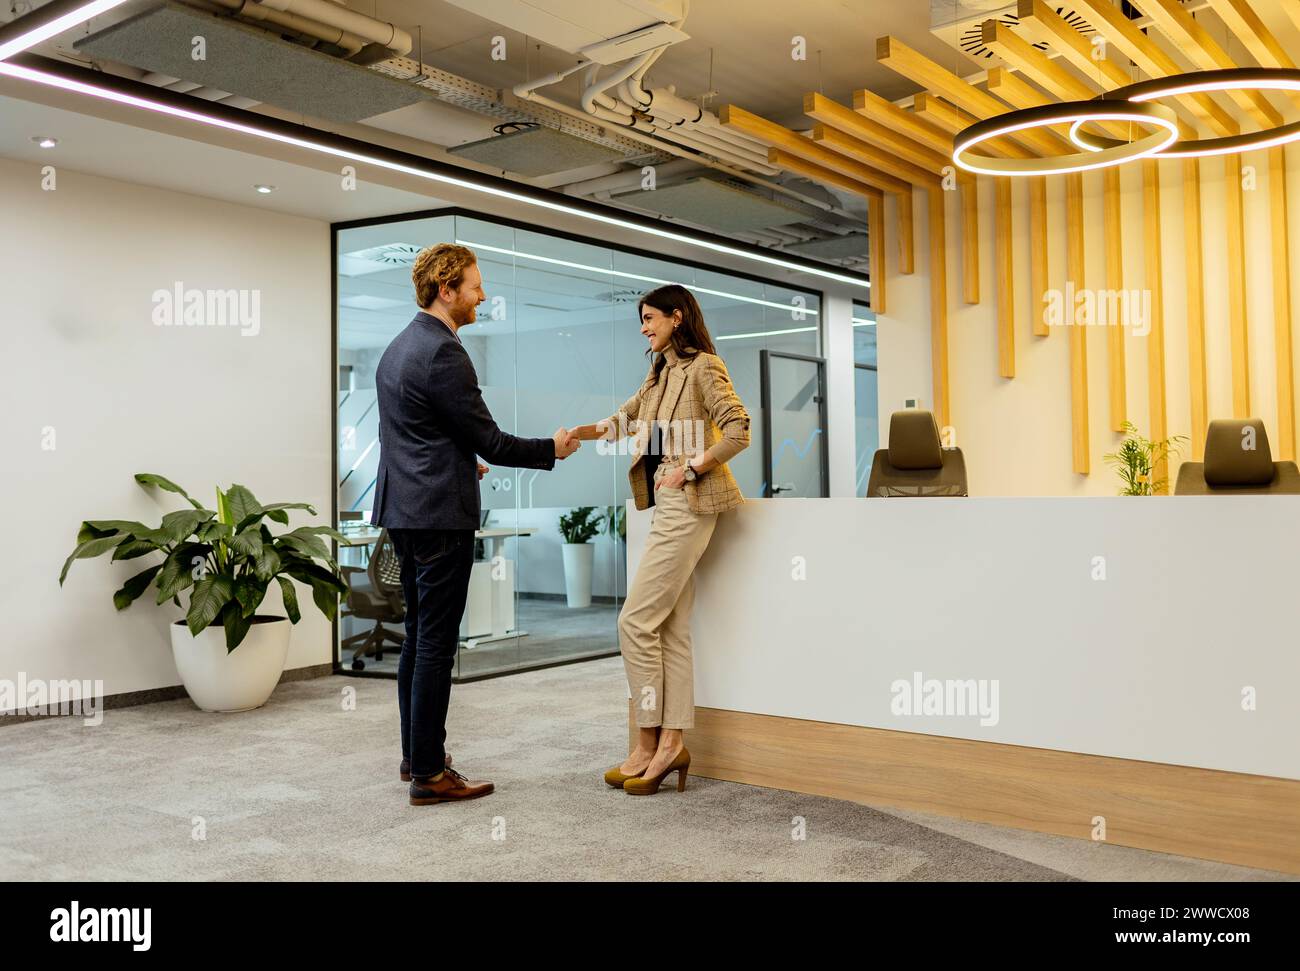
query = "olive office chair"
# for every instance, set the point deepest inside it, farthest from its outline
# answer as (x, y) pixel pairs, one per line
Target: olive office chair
(915, 464)
(375, 594)
(1233, 468)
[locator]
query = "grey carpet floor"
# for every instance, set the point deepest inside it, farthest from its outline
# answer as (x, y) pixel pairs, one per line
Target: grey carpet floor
(306, 788)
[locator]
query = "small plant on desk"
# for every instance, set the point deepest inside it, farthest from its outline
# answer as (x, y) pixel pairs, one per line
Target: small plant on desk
(1137, 457)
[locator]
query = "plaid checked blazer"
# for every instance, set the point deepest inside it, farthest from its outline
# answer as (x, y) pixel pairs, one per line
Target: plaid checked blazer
(697, 403)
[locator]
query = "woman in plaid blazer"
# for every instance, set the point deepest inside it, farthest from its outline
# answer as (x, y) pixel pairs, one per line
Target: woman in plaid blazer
(686, 422)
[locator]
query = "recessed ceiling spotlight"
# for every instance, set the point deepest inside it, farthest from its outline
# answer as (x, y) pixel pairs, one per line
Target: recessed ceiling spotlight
(45, 141)
(264, 189)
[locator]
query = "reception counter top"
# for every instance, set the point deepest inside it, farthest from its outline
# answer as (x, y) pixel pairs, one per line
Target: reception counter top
(1161, 630)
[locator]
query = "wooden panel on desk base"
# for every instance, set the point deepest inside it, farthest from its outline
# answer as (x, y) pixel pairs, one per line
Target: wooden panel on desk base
(1248, 820)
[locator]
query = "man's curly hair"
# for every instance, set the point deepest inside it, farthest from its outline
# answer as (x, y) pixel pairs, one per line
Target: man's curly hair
(443, 265)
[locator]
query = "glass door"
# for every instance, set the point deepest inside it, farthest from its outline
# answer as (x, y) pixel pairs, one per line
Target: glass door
(795, 460)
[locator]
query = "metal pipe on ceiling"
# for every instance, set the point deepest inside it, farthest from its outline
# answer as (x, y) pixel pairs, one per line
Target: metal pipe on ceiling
(350, 43)
(370, 29)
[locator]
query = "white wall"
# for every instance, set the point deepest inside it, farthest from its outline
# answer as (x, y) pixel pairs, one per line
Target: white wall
(201, 406)
(903, 331)
(1015, 433)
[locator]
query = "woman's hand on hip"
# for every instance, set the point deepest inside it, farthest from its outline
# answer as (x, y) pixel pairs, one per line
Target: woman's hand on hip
(675, 478)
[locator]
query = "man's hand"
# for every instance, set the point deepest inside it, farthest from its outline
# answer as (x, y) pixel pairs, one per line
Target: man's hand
(482, 470)
(565, 443)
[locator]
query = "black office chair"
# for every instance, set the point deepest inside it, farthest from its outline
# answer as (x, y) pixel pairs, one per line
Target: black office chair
(915, 464)
(375, 593)
(1237, 463)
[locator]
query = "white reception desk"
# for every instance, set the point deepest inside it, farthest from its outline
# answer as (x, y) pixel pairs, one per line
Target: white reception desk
(1073, 657)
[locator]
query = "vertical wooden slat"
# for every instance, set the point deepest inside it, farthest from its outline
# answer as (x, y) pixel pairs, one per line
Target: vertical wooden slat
(876, 231)
(1236, 231)
(1078, 331)
(1282, 334)
(1196, 371)
(1157, 416)
(939, 308)
(906, 244)
(1038, 267)
(1006, 285)
(1116, 329)
(970, 239)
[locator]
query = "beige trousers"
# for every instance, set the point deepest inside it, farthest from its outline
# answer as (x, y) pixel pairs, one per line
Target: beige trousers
(654, 627)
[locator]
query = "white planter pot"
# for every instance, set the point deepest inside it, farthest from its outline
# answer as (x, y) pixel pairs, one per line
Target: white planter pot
(237, 681)
(577, 573)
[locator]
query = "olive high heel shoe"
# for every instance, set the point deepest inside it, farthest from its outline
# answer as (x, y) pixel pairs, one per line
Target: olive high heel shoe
(615, 778)
(649, 785)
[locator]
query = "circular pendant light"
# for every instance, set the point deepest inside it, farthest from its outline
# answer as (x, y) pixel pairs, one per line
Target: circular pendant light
(1078, 113)
(1200, 82)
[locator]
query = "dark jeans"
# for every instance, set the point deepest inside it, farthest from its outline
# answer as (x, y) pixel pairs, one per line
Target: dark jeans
(436, 565)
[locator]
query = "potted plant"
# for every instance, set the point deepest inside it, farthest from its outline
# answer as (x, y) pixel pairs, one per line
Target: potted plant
(1136, 459)
(616, 527)
(577, 527)
(616, 523)
(224, 560)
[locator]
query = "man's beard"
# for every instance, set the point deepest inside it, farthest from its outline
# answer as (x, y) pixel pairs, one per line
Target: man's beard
(464, 314)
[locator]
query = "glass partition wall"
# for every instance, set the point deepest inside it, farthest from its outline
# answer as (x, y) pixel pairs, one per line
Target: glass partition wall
(557, 343)
(865, 393)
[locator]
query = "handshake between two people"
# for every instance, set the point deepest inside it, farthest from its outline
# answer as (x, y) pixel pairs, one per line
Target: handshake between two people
(566, 442)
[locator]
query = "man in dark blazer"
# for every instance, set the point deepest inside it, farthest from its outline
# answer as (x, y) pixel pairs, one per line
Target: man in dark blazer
(432, 423)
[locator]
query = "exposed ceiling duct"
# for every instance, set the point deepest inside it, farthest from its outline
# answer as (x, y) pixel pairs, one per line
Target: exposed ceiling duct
(604, 32)
(536, 151)
(729, 208)
(249, 62)
(322, 59)
(618, 98)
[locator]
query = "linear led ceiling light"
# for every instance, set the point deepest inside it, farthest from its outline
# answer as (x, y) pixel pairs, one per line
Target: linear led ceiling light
(60, 15)
(640, 277)
(1199, 82)
(1078, 112)
(48, 21)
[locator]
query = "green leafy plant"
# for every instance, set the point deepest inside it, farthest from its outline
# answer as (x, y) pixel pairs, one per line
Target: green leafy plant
(581, 524)
(226, 558)
(616, 522)
(1136, 457)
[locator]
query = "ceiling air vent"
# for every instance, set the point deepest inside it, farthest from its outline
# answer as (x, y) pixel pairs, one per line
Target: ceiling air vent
(390, 254)
(619, 295)
(961, 22)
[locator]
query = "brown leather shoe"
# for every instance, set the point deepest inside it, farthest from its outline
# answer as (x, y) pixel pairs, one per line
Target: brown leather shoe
(404, 770)
(451, 787)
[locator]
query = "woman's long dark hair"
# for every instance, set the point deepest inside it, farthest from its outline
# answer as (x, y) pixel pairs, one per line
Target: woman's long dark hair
(691, 333)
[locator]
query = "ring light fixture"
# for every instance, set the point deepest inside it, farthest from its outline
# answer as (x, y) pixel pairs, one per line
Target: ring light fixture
(1201, 82)
(1069, 112)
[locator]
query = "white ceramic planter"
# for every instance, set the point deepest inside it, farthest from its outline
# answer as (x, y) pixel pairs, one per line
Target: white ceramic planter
(240, 680)
(577, 573)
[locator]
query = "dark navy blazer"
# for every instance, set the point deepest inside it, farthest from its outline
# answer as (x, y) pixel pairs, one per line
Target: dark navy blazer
(433, 423)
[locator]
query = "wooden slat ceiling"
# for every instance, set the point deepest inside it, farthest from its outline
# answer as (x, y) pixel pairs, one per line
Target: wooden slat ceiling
(877, 147)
